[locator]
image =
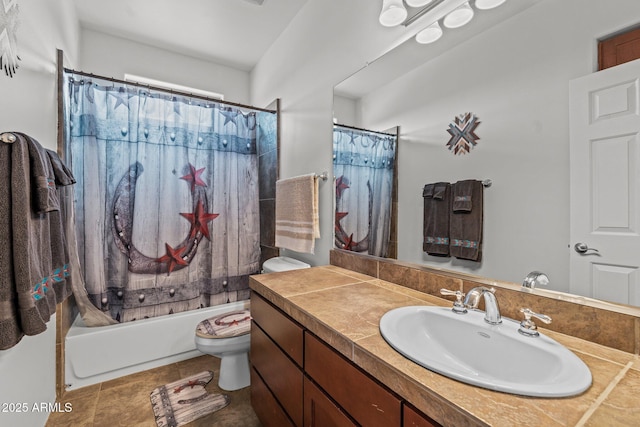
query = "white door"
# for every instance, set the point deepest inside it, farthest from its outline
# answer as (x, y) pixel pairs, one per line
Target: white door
(605, 184)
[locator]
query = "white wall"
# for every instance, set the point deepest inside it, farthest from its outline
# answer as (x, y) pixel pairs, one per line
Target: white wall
(515, 78)
(29, 105)
(111, 56)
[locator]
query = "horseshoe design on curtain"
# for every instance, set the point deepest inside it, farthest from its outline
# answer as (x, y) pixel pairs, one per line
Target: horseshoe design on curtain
(344, 240)
(176, 258)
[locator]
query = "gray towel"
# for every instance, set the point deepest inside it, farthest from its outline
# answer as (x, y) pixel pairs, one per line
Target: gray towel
(437, 206)
(28, 197)
(465, 228)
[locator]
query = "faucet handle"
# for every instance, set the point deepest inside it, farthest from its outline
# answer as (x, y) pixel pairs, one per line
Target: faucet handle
(527, 327)
(458, 306)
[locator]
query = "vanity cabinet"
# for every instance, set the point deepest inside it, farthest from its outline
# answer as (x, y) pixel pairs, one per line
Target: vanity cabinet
(276, 365)
(297, 379)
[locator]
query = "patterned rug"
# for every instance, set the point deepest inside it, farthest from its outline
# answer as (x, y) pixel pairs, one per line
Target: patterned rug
(185, 400)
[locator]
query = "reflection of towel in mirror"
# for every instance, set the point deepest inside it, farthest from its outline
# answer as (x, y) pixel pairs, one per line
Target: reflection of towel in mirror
(465, 229)
(297, 224)
(437, 205)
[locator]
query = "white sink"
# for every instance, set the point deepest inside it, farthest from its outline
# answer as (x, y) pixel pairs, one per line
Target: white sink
(466, 348)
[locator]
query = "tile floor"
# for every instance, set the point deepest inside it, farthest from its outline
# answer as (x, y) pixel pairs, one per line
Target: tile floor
(125, 401)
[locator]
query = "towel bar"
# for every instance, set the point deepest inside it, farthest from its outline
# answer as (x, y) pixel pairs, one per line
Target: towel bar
(323, 176)
(485, 183)
(8, 138)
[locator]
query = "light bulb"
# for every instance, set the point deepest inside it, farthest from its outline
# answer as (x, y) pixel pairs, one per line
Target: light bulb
(393, 13)
(459, 16)
(417, 3)
(430, 34)
(488, 4)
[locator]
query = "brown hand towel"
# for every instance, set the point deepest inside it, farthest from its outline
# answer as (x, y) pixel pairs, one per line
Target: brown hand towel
(465, 228)
(463, 195)
(437, 205)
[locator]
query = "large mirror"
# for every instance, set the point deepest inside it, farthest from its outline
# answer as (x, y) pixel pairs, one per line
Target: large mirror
(511, 68)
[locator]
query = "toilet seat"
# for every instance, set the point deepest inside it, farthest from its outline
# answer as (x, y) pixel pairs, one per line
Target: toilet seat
(225, 325)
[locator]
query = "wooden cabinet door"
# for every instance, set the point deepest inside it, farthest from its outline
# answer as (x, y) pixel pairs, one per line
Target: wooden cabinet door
(281, 329)
(279, 373)
(320, 411)
(366, 401)
(265, 405)
(413, 418)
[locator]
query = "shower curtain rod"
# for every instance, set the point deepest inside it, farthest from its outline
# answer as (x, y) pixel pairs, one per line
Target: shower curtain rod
(363, 130)
(169, 91)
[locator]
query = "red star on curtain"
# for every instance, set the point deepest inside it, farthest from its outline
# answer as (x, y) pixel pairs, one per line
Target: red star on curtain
(349, 244)
(194, 177)
(199, 220)
(341, 185)
(173, 257)
(339, 216)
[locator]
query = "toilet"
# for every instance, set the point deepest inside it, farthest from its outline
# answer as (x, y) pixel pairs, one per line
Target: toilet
(226, 335)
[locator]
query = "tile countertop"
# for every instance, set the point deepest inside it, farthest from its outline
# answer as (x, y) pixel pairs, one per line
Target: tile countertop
(344, 308)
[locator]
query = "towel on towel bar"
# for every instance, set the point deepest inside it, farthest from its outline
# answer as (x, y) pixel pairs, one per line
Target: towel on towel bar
(465, 228)
(437, 205)
(463, 195)
(297, 219)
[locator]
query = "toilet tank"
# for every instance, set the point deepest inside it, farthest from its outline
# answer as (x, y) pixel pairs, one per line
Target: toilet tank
(282, 263)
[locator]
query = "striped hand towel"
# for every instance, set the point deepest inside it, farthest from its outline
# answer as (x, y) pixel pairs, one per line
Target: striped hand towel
(297, 219)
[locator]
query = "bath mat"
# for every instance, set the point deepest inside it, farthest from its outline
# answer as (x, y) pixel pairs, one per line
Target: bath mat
(185, 400)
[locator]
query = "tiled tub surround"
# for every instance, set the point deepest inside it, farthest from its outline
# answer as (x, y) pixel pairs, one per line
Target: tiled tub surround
(343, 308)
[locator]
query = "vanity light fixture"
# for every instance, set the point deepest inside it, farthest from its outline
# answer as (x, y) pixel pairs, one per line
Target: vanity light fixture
(393, 13)
(459, 17)
(417, 3)
(488, 4)
(430, 34)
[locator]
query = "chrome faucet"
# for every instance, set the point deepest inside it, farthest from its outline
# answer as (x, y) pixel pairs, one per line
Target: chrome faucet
(535, 278)
(491, 309)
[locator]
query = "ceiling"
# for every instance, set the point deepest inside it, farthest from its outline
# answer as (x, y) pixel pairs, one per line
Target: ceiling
(409, 55)
(230, 32)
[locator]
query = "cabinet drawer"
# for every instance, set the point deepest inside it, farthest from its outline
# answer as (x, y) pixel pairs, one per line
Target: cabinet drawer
(413, 418)
(320, 411)
(279, 373)
(284, 331)
(267, 408)
(363, 398)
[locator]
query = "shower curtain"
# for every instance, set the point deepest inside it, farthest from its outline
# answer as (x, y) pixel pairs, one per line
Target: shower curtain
(166, 199)
(363, 165)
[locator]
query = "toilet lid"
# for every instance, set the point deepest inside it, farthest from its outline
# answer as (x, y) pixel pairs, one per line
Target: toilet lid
(229, 324)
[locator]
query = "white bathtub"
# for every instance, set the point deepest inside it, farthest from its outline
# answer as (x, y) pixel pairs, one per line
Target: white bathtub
(94, 355)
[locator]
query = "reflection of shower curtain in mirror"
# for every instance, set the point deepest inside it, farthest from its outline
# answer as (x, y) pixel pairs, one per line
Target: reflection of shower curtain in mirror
(363, 164)
(167, 197)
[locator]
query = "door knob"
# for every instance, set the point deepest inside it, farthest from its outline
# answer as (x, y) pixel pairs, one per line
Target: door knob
(582, 248)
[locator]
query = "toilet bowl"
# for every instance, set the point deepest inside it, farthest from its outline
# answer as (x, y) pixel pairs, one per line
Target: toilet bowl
(226, 335)
(282, 263)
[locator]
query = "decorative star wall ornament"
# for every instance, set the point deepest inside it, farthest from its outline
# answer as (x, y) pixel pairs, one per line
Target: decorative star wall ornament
(175, 257)
(8, 37)
(462, 131)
